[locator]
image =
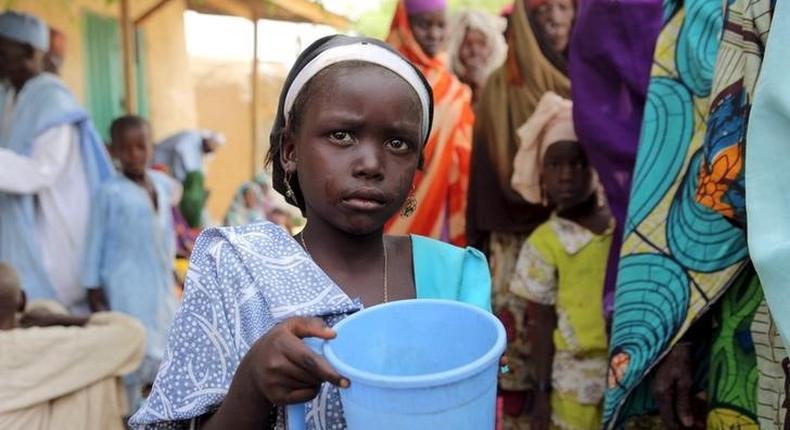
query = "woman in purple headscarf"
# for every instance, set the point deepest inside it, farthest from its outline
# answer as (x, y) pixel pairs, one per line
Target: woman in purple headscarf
(610, 58)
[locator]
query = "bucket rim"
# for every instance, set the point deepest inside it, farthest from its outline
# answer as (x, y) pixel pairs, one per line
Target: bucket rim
(421, 381)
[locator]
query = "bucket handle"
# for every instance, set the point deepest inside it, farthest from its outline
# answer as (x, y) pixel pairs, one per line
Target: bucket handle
(295, 413)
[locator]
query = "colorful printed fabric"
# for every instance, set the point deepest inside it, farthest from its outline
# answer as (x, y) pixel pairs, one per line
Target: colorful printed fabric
(563, 264)
(732, 374)
(678, 257)
(441, 186)
(515, 386)
(242, 281)
(511, 310)
(725, 369)
(721, 184)
(772, 364)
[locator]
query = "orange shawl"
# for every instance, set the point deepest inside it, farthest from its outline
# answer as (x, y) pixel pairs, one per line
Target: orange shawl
(441, 187)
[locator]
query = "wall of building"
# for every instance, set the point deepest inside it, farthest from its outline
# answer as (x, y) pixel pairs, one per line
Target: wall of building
(170, 91)
(183, 92)
(224, 96)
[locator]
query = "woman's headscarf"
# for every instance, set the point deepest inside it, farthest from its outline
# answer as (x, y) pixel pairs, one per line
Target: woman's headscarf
(239, 213)
(441, 187)
(611, 55)
(492, 26)
(509, 98)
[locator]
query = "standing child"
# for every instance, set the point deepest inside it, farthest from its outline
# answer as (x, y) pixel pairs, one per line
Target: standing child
(352, 123)
(561, 270)
(128, 266)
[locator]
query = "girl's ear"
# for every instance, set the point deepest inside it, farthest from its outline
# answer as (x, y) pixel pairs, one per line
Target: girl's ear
(288, 154)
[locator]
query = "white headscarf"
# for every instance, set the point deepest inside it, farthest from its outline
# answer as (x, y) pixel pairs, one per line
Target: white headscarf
(551, 122)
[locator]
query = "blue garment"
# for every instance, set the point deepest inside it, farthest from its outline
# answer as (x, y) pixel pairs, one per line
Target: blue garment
(130, 253)
(244, 280)
(181, 153)
(768, 172)
(43, 103)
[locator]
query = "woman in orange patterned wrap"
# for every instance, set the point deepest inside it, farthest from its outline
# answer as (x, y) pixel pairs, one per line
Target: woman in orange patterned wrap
(418, 30)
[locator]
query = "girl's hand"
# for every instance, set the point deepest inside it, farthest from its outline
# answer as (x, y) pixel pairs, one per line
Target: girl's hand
(284, 369)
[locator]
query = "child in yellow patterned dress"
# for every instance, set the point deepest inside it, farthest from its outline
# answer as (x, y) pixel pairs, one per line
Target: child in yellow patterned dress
(561, 269)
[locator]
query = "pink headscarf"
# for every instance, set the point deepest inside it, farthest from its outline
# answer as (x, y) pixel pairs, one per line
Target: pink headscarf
(551, 122)
(414, 7)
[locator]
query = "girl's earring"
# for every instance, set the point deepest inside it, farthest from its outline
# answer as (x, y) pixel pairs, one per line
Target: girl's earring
(289, 192)
(544, 197)
(411, 204)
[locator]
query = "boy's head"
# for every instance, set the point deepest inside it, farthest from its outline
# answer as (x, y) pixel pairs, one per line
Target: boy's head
(428, 22)
(12, 299)
(131, 144)
(566, 174)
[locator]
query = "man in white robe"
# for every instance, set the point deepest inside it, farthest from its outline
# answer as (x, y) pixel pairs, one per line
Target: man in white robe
(52, 161)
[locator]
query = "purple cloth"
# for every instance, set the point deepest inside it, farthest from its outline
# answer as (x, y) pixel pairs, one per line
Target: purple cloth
(422, 6)
(611, 56)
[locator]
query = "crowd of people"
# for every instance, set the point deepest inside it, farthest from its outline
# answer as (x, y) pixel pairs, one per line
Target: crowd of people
(579, 168)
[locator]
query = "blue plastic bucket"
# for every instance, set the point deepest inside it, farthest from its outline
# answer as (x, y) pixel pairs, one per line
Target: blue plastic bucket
(416, 364)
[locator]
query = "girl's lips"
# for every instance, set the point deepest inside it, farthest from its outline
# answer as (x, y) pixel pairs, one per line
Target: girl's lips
(362, 204)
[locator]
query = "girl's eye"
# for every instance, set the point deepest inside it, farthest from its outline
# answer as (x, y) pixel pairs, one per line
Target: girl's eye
(398, 145)
(341, 136)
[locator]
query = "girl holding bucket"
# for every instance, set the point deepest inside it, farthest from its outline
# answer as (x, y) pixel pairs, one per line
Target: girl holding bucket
(561, 269)
(352, 123)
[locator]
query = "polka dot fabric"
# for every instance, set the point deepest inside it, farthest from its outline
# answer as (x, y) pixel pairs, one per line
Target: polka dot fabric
(241, 282)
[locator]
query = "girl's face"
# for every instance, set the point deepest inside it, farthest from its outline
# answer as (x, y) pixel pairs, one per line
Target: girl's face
(566, 175)
(357, 147)
(430, 30)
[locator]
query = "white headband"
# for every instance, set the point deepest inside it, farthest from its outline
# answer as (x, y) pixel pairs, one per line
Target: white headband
(368, 53)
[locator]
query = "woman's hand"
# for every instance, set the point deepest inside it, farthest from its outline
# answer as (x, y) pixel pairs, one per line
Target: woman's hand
(672, 388)
(283, 367)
